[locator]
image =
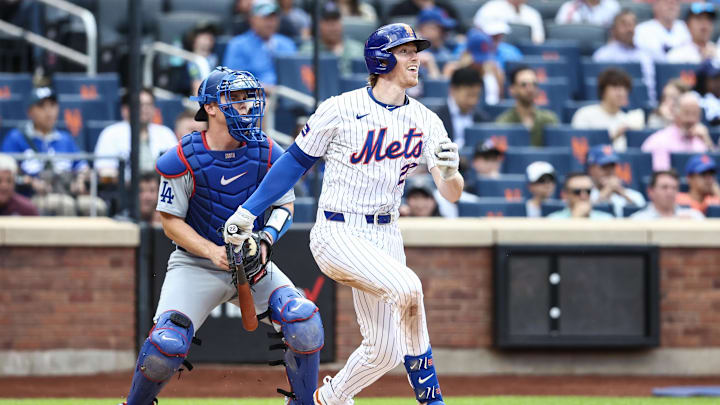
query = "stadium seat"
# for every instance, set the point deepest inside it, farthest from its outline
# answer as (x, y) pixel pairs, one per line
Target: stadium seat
(547, 9)
(13, 107)
(638, 97)
(664, 72)
(297, 73)
(358, 66)
(305, 210)
(628, 210)
(76, 111)
(552, 205)
(171, 27)
(220, 8)
(491, 207)
(544, 68)
(357, 29)
(104, 85)
(517, 159)
(519, 33)
(635, 165)
(589, 37)
(643, 11)
(509, 135)
(436, 87)
(555, 50)
(352, 82)
(494, 111)
(713, 211)
(511, 187)
(15, 84)
(92, 132)
(552, 94)
(592, 69)
(466, 10)
(168, 110)
(604, 207)
(433, 103)
(578, 140)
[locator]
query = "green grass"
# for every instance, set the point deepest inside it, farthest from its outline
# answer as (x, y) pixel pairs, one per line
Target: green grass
(390, 401)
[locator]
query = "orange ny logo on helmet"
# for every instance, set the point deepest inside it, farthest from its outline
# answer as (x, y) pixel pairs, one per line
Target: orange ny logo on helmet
(408, 29)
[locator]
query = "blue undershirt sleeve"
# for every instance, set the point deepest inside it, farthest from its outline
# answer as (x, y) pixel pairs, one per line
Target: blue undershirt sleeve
(283, 175)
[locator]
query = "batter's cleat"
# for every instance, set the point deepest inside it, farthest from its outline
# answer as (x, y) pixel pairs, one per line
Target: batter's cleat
(318, 397)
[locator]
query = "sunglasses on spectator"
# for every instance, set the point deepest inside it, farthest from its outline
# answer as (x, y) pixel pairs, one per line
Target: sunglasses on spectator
(580, 191)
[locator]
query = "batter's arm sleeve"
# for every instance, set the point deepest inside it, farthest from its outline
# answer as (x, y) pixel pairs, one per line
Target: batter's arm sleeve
(282, 177)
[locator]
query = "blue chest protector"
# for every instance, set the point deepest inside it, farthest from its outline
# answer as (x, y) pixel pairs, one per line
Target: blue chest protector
(223, 180)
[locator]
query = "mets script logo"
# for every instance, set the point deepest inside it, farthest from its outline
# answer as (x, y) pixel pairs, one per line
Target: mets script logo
(372, 149)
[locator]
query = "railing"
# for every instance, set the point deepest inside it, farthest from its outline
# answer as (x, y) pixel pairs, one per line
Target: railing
(88, 20)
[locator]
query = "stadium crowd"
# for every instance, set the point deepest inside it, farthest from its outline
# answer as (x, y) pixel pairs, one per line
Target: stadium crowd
(579, 108)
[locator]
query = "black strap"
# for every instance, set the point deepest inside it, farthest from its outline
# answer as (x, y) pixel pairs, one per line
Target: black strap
(288, 394)
(29, 141)
(275, 335)
(197, 341)
(276, 362)
(187, 365)
(277, 346)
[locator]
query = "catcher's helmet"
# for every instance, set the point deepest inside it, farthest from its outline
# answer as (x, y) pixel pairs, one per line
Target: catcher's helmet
(378, 58)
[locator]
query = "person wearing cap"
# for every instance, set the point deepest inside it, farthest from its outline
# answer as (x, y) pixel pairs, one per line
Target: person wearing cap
(332, 40)
(593, 12)
(419, 198)
(700, 19)
(488, 158)
(524, 89)
(462, 108)
(406, 8)
(114, 140)
(512, 12)
(480, 54)
(434, 24)
(701, 173)
(254, 50)
(686, 134)
(662, 192)
(664, 32)
(614, 86)
(504, 52)
(607, 186)
(54, 180)
(707, 86)
(576, 193)
(621, 49)
(541, 179)
(12, 203)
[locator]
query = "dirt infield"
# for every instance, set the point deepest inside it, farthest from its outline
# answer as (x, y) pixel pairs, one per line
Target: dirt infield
(252, 381)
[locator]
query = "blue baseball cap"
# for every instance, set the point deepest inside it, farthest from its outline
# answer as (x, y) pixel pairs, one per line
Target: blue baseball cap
(480, 46)
(264, 8)
(40, 94)
(602, 155)
(700, 164)
(436, 15)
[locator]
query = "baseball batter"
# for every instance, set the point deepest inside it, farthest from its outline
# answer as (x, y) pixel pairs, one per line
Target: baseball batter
(370, 138)
(203, 181)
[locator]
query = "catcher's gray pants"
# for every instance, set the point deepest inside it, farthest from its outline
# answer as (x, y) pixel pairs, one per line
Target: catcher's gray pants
(195, 287)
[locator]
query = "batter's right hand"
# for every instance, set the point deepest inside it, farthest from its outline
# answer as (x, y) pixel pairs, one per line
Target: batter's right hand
(238, 227)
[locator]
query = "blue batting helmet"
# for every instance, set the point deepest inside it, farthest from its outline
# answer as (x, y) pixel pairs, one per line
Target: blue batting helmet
(378, 57)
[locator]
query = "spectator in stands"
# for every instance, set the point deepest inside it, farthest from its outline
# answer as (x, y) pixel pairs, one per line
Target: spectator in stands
(662, 192)
(707, 85)
(294, 22)
(524, 88)
(593, 12)
(53, 181)
(576, 193)
(12, 203)
(411, 8)
(419, 198)
(699, 19)
(686, 134)
(332, 41)
(607, 186)
(664, 32)
(541, 183)
(149, 186)
(255, 49)
(488, 158)
(701, 172)
(185, 123)
(241, 16)
(433, 24)
(480, 54)
(614, 86)
(462, 107)
(512, 12)
(663, 115)
(200, 40)
(354, 9)
(115, 139)
(504, 52)
(621, 49)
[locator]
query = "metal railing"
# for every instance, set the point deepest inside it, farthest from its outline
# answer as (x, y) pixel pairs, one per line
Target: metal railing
(88, 19)
(274, 95)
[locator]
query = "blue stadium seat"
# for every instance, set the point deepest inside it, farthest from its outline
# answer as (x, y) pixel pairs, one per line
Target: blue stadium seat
(494, 111)
(92, 132)
(519, 33)
(352, 82)
(547, 9)
(518, 159)
(679, 160)
(588, 37)
(169, 109)
(436, 87)
(305, 209)
(635, 165)
(103, 85)
(15, 84)
(297, 73)
(544, 68)
(13, 107)
(550, 206)
(552, 94)
(556, 50)
(638, 97)
(635, 138)
(713, 211)
(76, 112)
(511, 187)
(592, 69)
(171, 27)
(664, 72)
(433, 103)
(628, 210)
(579, 141)
(221, 8)
(491, 207)
(510, 135)
(358, 29)
(358, 66)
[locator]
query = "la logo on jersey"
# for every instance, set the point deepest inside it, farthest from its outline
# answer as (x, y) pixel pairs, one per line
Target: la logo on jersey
(167, 195)
(372, 149)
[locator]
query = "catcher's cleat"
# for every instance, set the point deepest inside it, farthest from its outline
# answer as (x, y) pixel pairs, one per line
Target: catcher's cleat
(155, 402)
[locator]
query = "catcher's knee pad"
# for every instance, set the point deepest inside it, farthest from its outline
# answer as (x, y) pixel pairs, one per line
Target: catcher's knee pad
(423, 378)
(303, 337)
(161, 355)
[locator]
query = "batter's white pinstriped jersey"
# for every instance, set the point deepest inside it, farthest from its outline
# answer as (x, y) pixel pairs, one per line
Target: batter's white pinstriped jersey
(369, 148)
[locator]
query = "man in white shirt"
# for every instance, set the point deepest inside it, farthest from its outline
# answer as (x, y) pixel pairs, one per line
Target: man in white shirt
(607, 186)
(700, 19)
(593, 12)
(662, 191)
(115, 139)
(512, 12)
(622, 49)
(664, 32)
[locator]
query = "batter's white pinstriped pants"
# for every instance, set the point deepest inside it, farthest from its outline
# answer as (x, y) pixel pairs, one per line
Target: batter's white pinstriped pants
(387, 295)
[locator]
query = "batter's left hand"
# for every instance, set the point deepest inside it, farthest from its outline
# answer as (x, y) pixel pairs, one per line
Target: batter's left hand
(238, 227)
(448, 159)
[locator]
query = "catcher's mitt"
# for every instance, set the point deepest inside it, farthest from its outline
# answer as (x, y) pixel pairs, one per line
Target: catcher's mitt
(249, 257)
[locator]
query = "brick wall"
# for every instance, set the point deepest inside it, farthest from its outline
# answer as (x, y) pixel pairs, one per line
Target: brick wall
(67, 298)
(458, 298)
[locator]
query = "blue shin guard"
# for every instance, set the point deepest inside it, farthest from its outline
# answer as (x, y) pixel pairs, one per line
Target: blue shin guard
(160, 357)
(423, 378)
(302, 330)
